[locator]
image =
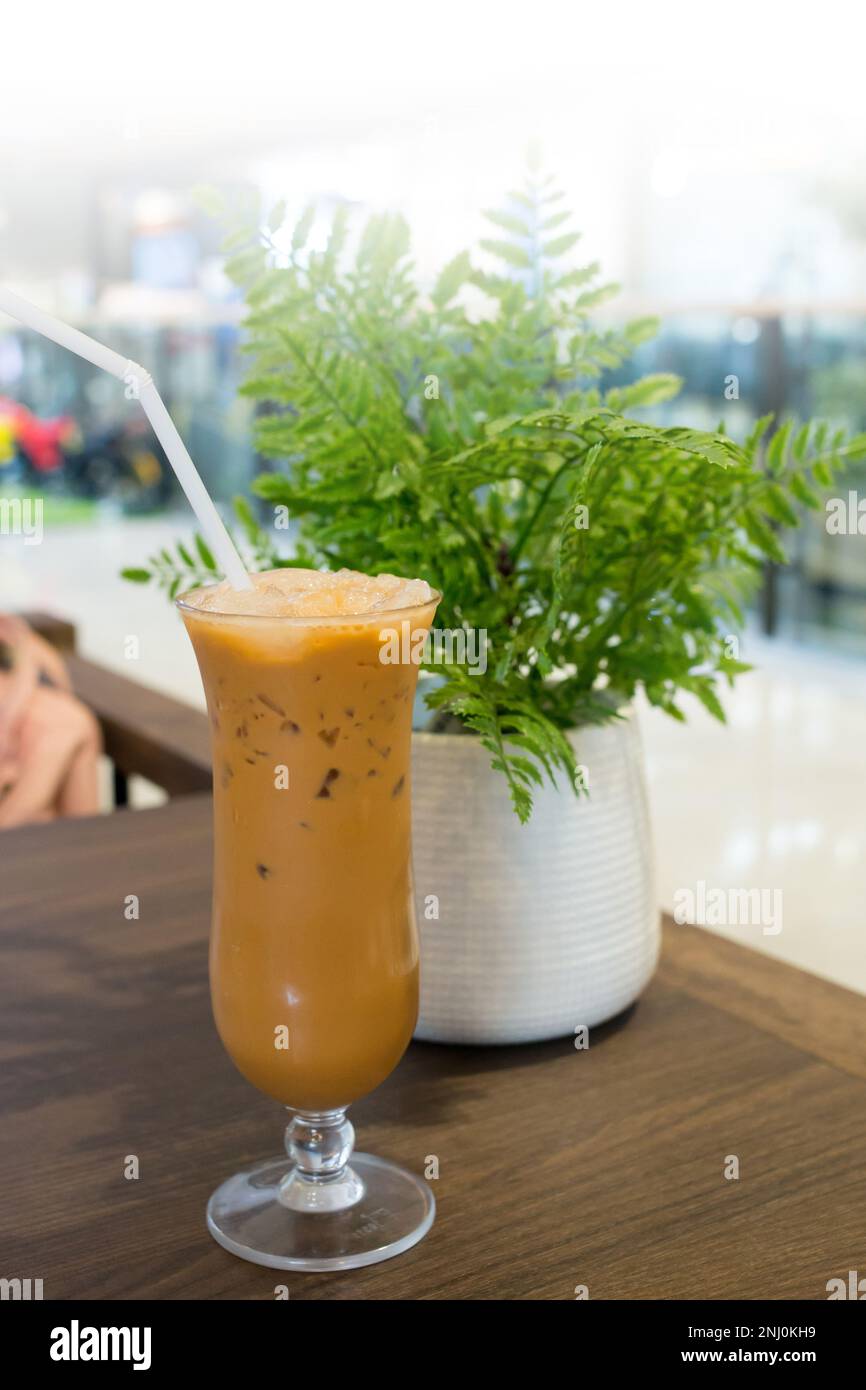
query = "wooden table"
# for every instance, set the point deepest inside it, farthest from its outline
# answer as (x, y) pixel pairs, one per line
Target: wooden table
(557, 1167)
(144, 732)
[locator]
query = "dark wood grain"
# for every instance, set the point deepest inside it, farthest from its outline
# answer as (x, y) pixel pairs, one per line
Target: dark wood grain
(557, 1167)
(145, 732)
(60, 632)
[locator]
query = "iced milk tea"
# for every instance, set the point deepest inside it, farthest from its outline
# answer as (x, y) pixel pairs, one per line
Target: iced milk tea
(314, 954)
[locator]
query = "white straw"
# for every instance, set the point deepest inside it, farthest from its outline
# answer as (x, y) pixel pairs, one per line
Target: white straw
(140, 385)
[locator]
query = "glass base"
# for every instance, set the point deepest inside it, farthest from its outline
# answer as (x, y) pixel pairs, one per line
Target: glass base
(257, 1215)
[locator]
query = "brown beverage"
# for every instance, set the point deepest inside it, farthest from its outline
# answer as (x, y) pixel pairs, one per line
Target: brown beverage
(314, 953)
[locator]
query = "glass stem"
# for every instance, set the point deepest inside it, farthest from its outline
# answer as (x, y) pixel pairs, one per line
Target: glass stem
(320, 1144)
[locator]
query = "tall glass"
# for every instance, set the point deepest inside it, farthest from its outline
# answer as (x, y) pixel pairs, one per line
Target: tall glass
(314, 951)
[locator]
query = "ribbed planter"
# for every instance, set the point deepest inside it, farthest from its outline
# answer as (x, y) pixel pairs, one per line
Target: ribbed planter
(541, 927)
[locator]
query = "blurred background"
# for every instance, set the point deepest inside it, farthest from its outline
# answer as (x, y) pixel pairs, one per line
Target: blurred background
(714, 160)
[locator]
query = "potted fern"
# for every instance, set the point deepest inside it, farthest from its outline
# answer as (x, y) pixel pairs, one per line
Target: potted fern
(468, 436)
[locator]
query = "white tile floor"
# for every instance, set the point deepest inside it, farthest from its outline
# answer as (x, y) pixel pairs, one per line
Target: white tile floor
(772, 801)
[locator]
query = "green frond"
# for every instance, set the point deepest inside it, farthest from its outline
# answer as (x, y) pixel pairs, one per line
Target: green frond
(486, 451)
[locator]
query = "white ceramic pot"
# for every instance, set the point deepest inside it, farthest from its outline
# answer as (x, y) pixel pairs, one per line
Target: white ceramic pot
(541, 927)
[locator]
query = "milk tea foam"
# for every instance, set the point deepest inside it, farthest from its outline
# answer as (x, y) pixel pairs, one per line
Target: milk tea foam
(314, 953)
(299, 593)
